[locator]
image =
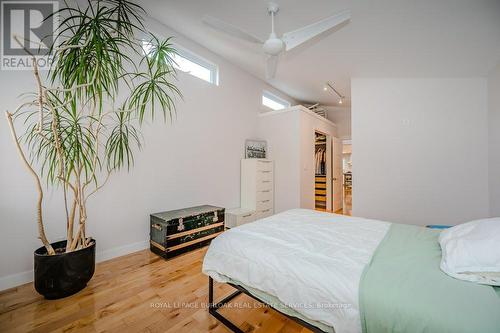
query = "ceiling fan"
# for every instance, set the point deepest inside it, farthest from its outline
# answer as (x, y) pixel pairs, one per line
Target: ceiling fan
(275, 45)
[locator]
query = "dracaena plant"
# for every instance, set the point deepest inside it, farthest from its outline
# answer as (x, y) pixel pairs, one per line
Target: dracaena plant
(83, 121)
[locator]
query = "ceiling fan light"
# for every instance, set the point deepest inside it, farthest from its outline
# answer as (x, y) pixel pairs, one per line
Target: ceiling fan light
(273, 46)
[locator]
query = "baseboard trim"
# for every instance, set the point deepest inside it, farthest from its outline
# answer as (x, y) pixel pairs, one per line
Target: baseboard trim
(121, 251)
(15, 280)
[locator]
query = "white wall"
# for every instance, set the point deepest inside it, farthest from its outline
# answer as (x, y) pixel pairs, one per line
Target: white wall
(341, 116)
(281, 131)
(196, 160)
(494, 140)
(416, 147)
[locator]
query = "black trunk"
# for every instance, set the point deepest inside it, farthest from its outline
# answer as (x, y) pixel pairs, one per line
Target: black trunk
(63, 274)
(179, 231)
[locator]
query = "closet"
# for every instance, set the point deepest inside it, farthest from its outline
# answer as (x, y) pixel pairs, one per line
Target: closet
(302, 178)
(320, 164)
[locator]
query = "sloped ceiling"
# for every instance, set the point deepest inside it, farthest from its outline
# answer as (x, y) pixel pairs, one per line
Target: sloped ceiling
(385, 38)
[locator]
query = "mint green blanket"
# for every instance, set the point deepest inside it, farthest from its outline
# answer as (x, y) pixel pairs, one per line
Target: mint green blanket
(403, 290)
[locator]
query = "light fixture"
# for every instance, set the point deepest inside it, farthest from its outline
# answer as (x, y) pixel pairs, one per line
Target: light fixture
(330, 85)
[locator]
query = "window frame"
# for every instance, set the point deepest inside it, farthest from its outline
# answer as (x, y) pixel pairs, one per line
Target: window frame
(200, 61)
(190, 56)
(276, 99)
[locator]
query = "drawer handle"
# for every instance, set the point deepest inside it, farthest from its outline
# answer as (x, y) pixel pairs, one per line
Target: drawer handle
(263, 171)
(265, 201)
(247, 215)
(266, 181)
(157, 226)
(266, 191)
(266, 210)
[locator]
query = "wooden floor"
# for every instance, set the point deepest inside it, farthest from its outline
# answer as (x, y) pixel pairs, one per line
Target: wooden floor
(139, 292)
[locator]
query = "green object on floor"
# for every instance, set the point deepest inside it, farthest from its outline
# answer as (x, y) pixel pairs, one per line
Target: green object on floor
(404, 290)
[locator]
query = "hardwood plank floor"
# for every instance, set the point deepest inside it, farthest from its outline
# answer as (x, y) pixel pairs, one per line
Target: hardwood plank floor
(139, 292)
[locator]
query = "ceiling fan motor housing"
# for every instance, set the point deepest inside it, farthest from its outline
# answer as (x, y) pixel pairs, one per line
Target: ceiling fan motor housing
(274, 45)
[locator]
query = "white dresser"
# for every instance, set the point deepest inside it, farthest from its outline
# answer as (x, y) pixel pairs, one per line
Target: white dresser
(257, 186)
(239, 216)
(257, 192)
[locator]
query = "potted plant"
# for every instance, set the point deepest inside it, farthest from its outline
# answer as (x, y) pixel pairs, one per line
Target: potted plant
(82, 124)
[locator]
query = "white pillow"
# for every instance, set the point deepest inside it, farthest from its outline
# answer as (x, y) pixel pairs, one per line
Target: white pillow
(471, 251)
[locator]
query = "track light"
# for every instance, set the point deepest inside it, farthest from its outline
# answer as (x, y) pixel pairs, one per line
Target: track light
(330, 85)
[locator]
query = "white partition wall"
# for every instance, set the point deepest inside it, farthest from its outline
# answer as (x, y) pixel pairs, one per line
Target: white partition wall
(494, 140)
(420, 150)
(290, 137)
(280, 130)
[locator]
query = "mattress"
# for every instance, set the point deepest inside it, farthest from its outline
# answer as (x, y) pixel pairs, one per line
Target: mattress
(307, 260)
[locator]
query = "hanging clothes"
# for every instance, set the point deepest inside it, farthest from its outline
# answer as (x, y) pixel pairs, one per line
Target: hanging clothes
(320, 160)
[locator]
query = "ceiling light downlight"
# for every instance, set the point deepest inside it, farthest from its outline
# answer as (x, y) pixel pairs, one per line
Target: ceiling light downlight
(330, 85)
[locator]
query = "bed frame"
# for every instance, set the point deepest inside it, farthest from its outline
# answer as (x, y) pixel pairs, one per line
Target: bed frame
(214, 307)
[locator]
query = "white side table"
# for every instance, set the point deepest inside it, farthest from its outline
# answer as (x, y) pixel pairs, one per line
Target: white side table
(239, 216)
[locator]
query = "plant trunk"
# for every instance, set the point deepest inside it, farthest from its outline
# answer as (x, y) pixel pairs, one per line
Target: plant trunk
(41, 229)
(71, 223)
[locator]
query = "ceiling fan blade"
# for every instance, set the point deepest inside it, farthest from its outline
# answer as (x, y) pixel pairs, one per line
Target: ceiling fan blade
(230, 29)
(299, 36)
(271, 66)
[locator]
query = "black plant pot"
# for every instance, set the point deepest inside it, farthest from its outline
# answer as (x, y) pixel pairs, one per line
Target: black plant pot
(63, 274)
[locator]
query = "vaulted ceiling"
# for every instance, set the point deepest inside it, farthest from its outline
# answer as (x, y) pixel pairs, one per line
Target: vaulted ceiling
(385, 38)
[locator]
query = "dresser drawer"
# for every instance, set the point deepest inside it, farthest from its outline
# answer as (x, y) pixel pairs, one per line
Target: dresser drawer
(264, 165)
(239, 216)
(264, 175)
(262, 213)
(247, 218)
(265, 195)
(264, 204)
(264, 185)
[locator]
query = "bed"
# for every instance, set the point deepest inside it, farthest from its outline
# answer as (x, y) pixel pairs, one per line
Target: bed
(342, 274)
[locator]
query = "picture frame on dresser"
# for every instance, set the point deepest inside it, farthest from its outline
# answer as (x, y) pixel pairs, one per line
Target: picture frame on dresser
(255, 148)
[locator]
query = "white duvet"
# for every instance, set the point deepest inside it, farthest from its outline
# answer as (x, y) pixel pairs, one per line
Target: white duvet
(309, 260)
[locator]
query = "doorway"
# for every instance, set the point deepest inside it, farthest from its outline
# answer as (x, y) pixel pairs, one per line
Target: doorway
(337, 176)
(347, 173)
